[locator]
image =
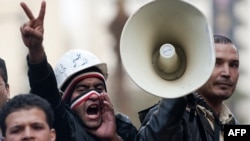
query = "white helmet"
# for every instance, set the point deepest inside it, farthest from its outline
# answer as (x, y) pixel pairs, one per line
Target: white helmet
(75, 61)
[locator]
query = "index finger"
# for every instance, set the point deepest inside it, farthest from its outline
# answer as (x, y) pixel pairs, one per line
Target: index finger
(27, 10)
(42, 11)
(106, 97)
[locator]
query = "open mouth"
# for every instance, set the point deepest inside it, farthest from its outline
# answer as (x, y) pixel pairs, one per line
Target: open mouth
(93, 110)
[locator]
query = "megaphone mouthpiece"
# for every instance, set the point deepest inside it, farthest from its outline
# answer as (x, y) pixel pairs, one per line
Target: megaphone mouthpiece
(169, 62)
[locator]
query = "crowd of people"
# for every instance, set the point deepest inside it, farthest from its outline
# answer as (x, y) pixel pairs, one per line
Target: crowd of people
(70, 102)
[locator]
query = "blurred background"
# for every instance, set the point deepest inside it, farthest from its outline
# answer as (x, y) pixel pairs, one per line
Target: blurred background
(96, 25)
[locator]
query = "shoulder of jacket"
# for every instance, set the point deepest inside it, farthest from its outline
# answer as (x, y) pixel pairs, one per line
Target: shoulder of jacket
(122, 116)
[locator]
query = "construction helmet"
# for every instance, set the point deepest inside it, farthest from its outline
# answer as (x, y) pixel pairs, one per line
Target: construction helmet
(75, 61)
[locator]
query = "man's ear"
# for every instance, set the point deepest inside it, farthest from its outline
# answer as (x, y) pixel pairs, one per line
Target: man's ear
(7, 87)
(52, 134)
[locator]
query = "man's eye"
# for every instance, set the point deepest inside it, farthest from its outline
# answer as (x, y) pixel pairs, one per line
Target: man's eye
(235, 65)
(15, 131)
(81, 89)
(218, 62)
(99, 90)
(38, 127)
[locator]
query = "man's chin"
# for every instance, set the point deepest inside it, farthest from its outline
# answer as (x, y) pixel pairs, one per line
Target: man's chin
(224, 95)
(93, 125)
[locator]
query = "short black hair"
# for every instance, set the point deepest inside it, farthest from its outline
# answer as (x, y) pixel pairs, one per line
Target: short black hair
(222, 39)
(26, 101)
(3, 71)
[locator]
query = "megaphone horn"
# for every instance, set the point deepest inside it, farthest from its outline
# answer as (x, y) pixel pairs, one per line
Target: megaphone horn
(167, 48)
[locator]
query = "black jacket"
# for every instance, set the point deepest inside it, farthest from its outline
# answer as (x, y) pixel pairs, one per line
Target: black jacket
(171, 120)
(67, 125)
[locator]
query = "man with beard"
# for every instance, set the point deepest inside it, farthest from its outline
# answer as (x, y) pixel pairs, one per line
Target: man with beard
(83, 110)
(199, 116)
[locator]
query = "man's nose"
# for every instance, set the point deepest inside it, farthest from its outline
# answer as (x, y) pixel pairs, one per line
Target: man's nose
(226, 71)
(94, 97)
(27, 134)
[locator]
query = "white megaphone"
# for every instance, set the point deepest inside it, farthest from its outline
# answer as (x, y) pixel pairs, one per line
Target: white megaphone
(167, 48)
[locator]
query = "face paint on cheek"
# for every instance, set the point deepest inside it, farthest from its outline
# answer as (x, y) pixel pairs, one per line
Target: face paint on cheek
(84, 97)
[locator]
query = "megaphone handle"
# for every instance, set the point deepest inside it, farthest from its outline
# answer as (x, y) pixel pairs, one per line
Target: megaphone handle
(191, 103)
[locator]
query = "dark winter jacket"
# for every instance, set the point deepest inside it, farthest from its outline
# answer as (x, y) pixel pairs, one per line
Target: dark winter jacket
(173, 120)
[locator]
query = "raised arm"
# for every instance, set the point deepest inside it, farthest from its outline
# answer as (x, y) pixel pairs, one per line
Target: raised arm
(32, 33)
(41, 75)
